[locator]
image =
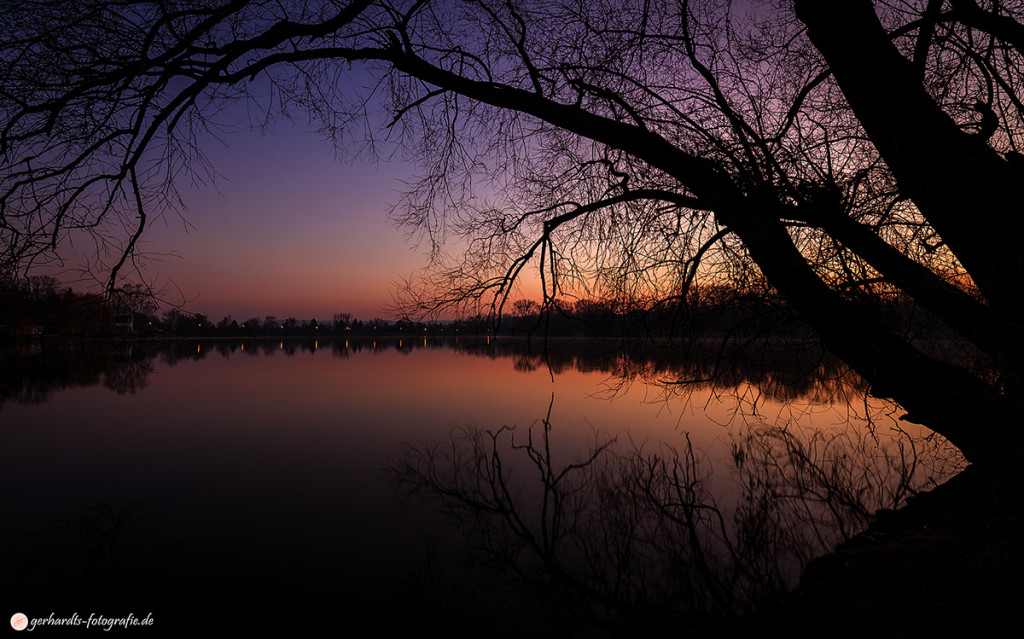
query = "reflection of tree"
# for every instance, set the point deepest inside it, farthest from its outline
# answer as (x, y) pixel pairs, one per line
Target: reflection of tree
(128, 375)
(29, 377)
(828, 485)
(781, 374)
(640, 534)
(779, 370)
(104, 552)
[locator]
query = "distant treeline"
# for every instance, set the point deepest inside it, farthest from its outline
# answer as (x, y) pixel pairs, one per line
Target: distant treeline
(177, 323)
(38, 307)
(728, 313)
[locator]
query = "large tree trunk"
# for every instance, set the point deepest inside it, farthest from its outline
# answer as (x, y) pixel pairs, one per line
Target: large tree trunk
(948, 399)
(966, 190)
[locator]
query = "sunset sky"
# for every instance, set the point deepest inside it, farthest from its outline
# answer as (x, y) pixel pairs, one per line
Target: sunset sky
(289, 230)
(286, 230)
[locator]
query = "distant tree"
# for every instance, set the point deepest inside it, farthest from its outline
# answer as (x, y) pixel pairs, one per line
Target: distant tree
(342, 321)
(39, 287)
(178, 322)
(132, 298)
(525, 308)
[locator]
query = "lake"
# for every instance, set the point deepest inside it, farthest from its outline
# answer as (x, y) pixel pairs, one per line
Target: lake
(239, 483)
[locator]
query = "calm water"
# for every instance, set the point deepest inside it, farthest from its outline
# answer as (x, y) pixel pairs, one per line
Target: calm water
(236, 481)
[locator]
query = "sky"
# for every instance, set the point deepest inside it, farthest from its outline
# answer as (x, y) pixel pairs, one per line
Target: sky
(286, 229)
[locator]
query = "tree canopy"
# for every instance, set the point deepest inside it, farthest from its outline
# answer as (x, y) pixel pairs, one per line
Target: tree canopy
(833, 154)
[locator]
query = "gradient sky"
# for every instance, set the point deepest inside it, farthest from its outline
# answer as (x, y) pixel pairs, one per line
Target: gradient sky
(287, 229)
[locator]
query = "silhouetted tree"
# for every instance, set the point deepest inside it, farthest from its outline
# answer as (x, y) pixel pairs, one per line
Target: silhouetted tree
(526, 308)
(831, 154)
(342, 321)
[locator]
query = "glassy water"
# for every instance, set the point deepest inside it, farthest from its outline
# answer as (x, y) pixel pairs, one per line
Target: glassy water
(250, 483)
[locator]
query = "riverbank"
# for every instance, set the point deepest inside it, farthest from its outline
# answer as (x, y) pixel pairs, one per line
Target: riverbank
(948, 564)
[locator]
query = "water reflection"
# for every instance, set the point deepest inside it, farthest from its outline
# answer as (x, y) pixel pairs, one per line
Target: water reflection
(636, 536)
(31, 375)
(104, 550)
(249, 471)
(779, 371)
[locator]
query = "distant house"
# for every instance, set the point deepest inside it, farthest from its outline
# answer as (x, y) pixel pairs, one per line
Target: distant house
(125, 322)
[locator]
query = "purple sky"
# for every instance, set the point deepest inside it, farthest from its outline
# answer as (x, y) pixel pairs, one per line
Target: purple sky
(286, 230)
(289, 230)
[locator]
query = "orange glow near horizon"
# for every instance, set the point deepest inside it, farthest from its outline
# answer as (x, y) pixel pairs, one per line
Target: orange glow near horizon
(286, 231)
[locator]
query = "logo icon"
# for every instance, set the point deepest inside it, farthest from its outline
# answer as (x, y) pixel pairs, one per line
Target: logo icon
(19, 621)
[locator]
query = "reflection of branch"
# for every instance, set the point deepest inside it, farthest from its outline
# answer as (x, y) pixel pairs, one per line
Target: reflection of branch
(638, 535)
(104, 550)
(836, 481)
